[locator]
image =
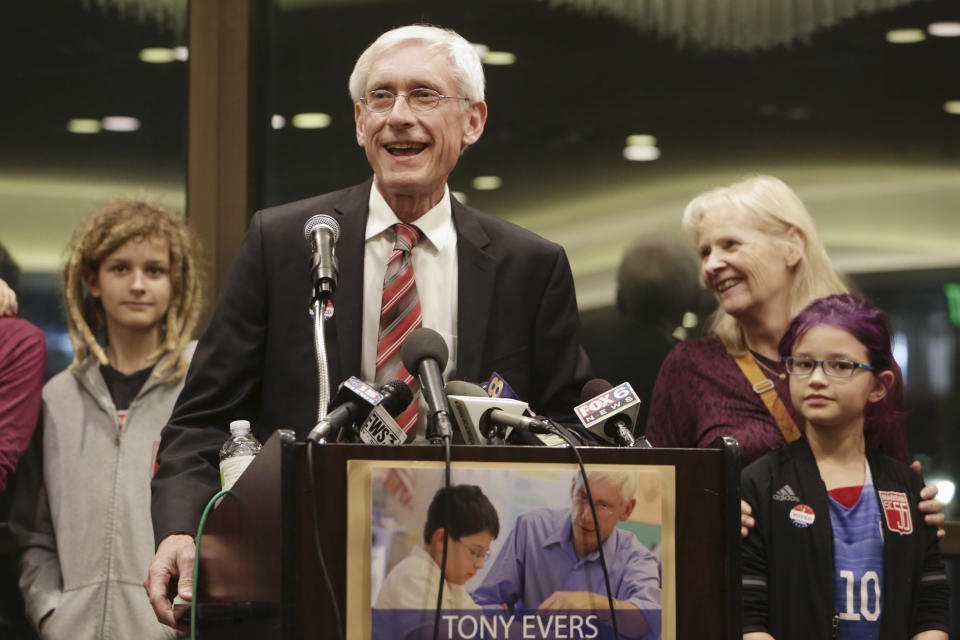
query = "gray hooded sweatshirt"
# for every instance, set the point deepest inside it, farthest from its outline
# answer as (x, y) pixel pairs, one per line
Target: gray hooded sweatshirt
(81, 513)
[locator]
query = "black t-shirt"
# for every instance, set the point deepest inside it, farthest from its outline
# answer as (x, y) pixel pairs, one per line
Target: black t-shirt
(123, 387)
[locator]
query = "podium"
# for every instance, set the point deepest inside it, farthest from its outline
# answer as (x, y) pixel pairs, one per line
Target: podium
(260, 576)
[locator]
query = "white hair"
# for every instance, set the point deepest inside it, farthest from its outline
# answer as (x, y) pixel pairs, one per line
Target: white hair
(465, 66)
(775, 209)
(628, 481)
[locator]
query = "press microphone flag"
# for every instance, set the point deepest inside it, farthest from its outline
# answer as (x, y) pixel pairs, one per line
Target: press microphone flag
(380, 426)
(611, 413)
(354, 399)
(477, 414)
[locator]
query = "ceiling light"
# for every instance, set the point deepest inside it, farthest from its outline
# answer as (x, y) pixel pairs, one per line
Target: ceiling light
(83, 125)
(944, 29)
(797, 113)
(311, 121)
(181, 53)
(487, 183)
(157, 55)
(499, 58)
(641, 152)
(120, 123)
(460, 196)
(641, 140)
(906, 36)
(952, 107)
(278, 121)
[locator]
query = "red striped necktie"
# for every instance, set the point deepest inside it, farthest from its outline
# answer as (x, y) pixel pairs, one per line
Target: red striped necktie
(399, 315)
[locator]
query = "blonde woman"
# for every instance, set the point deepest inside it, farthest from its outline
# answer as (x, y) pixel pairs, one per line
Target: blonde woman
(761, 257)
(132, 297)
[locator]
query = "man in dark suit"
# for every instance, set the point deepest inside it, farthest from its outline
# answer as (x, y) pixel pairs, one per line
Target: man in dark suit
(501, 296)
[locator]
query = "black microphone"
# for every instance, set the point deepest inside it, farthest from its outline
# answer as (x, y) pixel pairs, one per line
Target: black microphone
(354, 400)
(380, 426)
(322, 231)
(425, 355)
(478, 414)
(609, 411)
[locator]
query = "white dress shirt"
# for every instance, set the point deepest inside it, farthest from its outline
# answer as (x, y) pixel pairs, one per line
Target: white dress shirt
(434, 267)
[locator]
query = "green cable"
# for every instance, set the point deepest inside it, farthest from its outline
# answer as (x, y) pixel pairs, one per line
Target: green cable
(196, 562)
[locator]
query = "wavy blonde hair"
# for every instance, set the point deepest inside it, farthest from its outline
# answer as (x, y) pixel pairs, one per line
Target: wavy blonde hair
(775, 210)
(110, 227)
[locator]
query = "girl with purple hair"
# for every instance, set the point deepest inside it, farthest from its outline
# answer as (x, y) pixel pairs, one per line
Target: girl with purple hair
(840, 549)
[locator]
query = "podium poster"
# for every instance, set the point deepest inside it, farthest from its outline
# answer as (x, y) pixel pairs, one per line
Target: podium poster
(522, 557)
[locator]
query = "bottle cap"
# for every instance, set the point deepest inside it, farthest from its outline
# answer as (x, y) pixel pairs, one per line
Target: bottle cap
(239, 427)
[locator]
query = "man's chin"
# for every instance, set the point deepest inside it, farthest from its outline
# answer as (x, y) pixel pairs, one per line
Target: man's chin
(588, 540)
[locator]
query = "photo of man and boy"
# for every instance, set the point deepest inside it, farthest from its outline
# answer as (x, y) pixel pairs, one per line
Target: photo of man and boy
(523, 553)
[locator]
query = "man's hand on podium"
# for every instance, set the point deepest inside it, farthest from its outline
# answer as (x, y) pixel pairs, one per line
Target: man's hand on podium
(172, 566)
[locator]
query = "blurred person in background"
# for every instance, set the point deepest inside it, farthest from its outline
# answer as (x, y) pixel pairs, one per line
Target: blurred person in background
(23, 355)
(658, 285)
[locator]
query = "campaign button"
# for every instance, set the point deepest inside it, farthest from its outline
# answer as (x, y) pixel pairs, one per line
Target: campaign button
(802, 516)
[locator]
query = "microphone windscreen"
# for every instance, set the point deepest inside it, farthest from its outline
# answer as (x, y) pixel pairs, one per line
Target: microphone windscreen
(397, 396)
(593, 388)
(322, 220)
(421, 344)
(462, 388)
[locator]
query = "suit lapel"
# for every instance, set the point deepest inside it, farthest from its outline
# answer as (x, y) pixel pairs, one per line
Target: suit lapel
(351, 213)
(476, 275)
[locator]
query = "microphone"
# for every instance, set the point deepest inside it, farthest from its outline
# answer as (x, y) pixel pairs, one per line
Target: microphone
(479, 415)
(355, 398)
(322, 231)
(425, 355)
(380, 426)
(609, 411)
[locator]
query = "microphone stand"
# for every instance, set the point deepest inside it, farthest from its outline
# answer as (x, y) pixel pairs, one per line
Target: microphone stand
(321, 432)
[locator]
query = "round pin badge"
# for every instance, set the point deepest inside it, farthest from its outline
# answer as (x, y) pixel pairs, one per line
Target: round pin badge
(802, 516)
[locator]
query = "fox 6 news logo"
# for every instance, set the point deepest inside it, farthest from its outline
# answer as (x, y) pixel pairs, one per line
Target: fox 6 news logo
(615, 399)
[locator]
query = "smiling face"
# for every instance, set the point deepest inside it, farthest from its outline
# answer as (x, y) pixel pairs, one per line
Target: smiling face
(610, 509)
(748, 271)
(829, 402)
(412, 152)
(133, 284)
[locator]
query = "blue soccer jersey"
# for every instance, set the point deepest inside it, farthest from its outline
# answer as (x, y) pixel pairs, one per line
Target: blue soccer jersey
(858, 565)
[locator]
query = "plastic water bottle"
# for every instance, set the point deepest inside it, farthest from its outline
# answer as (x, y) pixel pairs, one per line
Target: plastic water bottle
(237, 452)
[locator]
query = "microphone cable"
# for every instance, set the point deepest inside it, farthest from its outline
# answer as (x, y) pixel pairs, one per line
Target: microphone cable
(194, 605)
(446, 534)
(596, 523)
(338, 623)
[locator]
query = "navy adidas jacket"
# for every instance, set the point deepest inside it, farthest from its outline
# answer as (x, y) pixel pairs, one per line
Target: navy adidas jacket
(788, 571)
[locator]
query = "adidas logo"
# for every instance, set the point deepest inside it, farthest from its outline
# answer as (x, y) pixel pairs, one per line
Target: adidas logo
(785, 494)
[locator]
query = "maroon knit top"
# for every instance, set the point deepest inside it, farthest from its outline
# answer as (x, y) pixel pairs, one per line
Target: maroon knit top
(23, 354)
(702, 394)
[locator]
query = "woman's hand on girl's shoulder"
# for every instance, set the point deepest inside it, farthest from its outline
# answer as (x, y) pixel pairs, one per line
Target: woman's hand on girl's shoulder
(929, 506)
(8, 300)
